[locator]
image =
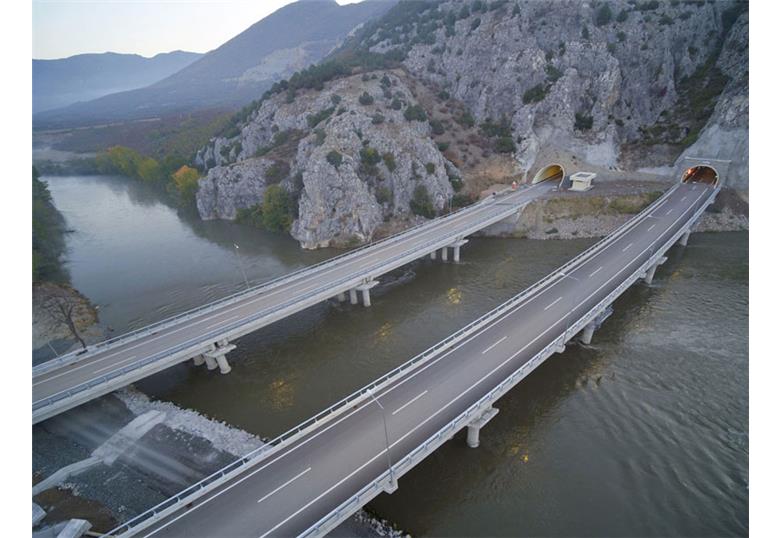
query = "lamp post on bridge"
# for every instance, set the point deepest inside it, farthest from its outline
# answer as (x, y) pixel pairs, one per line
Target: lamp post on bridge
(393, 482)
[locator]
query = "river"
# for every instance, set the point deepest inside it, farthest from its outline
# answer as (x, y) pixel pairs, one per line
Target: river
(644, 432)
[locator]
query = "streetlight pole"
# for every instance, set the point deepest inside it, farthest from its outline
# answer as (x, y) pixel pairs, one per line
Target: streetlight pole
(393, 483)
(241, 265)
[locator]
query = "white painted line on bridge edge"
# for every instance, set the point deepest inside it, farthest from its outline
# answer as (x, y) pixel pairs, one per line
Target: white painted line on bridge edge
(290, 481)
(494, 345)
(410, 402)
(552, 303)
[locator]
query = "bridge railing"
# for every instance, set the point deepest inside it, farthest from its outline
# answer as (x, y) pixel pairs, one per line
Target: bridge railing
(130, 336)
(348, 402)
(223, 332)
(398, 469)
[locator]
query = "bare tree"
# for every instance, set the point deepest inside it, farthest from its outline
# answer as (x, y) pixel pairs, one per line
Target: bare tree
(62, 304)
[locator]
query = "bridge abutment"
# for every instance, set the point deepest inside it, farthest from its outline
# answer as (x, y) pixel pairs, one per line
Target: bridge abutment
(472, 434)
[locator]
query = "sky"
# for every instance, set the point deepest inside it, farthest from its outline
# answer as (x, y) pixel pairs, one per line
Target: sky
(62, 28)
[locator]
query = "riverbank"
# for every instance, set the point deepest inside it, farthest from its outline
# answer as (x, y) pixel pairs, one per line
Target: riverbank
(180, 448)
(50, 304)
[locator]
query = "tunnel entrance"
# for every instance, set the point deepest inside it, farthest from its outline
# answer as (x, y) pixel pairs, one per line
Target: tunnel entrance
(551, 172)
(701, 174)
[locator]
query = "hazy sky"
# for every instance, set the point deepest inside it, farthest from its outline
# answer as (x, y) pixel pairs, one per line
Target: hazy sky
(63, 28)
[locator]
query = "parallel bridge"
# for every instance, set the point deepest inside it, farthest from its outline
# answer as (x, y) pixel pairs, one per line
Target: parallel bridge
(312, 478)
(205, 334)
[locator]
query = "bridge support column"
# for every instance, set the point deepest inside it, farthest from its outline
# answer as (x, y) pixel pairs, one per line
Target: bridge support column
(444, 254)
(216, 357)
(364, 289)
(586, 336)
(198, 360)
(353, 296)
(587, 333)
(651, 272)
(684, 239)
(472, 435)
(433, 255)
(456, 249)
(341, 297)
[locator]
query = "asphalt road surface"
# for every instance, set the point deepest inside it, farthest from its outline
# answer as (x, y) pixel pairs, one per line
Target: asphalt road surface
(202, 328)
(290, 490)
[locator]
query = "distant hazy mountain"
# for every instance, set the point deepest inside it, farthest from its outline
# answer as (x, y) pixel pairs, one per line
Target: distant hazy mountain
(240, 70)
(58, 83)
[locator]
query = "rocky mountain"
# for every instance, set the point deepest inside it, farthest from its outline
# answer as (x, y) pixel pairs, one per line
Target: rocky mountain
(58, 83)
(291, 38)
(487, 92)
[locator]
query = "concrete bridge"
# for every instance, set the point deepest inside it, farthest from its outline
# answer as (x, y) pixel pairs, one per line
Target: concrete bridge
(312, 478)
(205, 334)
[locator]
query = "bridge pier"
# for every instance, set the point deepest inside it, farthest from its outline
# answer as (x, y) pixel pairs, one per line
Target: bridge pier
(364, 289)
(586, 336)
(433, 255)
(472, 435)
(198, 360)
(216, 356)
(353, 296)
(684, 239)
(444, 254)
(341, 297)
(456, 249)
(587, 333)
(651, 272)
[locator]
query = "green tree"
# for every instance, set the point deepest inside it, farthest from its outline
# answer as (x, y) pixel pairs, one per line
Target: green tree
(277, 215)
(421, 203)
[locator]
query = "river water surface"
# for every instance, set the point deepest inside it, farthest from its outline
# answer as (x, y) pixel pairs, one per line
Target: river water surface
(643, 433)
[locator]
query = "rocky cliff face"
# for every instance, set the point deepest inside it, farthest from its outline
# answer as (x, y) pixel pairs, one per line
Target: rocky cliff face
(484, 92)
(618, 85)
(347, 154)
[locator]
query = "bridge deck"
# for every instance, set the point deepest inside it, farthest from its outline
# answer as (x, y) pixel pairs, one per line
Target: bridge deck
(63, 384)
(300, 482)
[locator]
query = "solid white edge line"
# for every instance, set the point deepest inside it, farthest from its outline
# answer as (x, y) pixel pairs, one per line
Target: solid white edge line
(553, 303)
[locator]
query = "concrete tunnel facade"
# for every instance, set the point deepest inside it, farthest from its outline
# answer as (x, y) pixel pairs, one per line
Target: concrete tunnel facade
(702, 173)
(551, 172)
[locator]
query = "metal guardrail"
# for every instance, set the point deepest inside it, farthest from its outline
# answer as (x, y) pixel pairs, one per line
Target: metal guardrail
(222, 332)
(348, 402)
(131, 336)
(398, 469)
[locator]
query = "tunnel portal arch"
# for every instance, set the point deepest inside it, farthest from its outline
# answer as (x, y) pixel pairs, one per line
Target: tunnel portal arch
(551, 172)
(701, 173)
